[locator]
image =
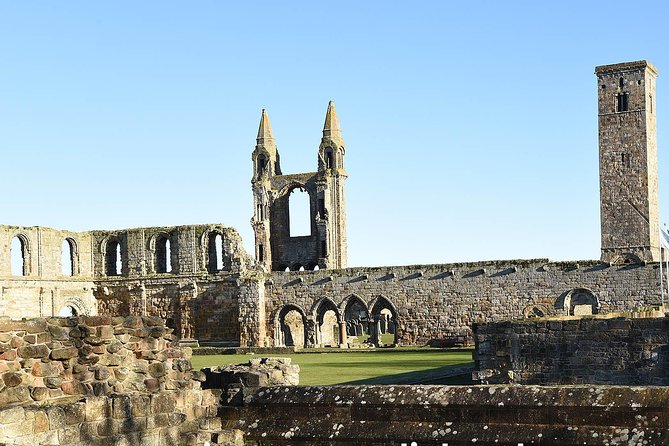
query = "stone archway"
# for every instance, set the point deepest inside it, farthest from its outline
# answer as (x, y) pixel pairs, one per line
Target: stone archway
(330, 330)
(384, 327)
(290, 327)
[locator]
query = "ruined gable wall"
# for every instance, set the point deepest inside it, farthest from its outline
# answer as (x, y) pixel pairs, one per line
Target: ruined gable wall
(443, 301)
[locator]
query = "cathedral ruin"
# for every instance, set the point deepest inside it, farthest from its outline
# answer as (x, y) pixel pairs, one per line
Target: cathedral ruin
(298, 291)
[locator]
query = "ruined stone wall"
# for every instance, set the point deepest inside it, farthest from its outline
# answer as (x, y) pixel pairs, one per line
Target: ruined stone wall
(456, 416)
(99, 380)
(623, 351)
(42, 288)
(442, 301)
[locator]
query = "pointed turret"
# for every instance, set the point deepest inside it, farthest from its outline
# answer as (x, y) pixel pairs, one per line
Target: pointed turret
(265, 134)
(265, 156)
(331, 129)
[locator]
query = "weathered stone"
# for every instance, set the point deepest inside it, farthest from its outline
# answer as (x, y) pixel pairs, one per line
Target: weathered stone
(64, 353)
(33, 351)
(12, 379)
(39, 393)
(157, 369)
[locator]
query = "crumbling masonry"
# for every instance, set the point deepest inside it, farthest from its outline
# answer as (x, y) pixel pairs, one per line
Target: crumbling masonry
(200, 280)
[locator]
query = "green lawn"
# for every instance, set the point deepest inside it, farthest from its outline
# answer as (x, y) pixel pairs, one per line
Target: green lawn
(374, 367)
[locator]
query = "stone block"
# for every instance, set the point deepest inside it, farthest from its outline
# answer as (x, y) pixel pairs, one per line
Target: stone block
(41, 423)
(33, 351)
(98, 408)
(12, 415)
(75, 413)
(163, 403)
(59, 333)
(12, 379)
(36, 325)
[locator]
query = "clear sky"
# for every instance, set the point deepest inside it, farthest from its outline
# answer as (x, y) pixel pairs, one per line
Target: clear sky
(471, 127)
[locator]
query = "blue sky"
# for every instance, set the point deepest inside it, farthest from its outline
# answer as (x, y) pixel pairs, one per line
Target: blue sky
(471, 127)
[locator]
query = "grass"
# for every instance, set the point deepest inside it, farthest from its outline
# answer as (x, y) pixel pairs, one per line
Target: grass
(374, 367)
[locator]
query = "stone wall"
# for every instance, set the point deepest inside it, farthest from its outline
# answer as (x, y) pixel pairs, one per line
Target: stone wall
(45, 287)
(100, 380)
(431, 302)
(622, 351)
(456, 416)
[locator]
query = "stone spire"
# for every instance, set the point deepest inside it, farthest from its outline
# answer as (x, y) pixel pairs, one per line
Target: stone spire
(331, 129)
(265, 134)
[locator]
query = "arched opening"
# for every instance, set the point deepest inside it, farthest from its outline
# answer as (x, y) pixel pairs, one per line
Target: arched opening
(329, 159)
(261, 164)
(19, 256)
(581, 302)
(68, 311)
(328, 327)
(215, 252)
(357, 321)
(68, 257)
(299, 210)
(114, 260)
(384, 326)
(163, 255)
(290, 327)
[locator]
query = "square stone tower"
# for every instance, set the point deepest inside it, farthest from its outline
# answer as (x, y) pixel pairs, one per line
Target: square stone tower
(628, 162)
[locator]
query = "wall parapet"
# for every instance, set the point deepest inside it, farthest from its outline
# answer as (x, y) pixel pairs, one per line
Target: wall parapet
(453, 415)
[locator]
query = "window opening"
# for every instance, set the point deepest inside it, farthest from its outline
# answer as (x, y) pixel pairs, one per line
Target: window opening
(621, 82)
(163, 255)
(262, 164)
(119, 263)
(329, 159)
(215, 252)
(18, 257)
(299, 209)
(622, 102)
(67, 258)
(324, 248)
(261, 253)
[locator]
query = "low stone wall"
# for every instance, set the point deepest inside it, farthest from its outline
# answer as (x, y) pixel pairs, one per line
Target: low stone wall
(456, 416)
(622, 351)
(101, 380)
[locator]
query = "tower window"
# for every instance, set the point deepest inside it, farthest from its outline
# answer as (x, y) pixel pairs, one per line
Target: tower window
(329, 159)
(261, 253)
(262, 164)
(621, 82)
(650, 103)
(622, 102)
